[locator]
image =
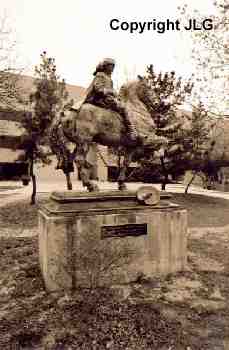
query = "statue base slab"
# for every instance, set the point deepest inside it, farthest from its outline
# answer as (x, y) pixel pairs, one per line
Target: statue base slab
(108, 238)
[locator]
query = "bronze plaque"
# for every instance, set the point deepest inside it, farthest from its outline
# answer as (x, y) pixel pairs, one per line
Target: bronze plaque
(119, 231)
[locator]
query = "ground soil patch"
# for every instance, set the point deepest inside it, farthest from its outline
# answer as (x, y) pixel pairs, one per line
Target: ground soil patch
(188, 311)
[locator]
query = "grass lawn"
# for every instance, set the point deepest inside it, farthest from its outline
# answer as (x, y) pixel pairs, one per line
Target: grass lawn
(204, 211)
(186, 311)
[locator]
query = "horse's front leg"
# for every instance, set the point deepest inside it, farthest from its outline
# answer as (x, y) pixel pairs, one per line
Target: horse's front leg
(68, 181)
(84, 167)
(122, 174)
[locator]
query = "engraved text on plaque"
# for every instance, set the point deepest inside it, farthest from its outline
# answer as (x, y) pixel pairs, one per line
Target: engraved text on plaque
(123, 230)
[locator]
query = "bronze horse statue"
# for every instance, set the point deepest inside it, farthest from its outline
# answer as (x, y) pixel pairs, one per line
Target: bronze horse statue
(91, 124)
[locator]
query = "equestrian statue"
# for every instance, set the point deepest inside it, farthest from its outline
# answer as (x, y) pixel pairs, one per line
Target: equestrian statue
(121, 121)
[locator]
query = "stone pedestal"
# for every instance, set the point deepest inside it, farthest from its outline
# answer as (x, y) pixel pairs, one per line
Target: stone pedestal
(108, 238)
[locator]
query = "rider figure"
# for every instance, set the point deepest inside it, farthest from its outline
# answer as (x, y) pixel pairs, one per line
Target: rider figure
(101, 93)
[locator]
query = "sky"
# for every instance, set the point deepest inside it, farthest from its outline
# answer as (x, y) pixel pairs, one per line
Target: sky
(78, 35)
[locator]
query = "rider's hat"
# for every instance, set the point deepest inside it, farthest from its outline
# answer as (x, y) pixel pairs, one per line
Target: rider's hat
(106, 61)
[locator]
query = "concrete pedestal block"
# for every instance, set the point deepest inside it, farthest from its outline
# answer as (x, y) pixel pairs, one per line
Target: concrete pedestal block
(88, 240)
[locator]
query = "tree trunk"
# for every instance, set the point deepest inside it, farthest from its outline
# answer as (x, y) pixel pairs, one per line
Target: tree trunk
(69, 182)
(34, 182)
(165, 173)
(190, 182)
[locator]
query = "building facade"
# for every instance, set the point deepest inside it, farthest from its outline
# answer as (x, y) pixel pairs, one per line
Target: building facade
(11, 130)
(103, 159)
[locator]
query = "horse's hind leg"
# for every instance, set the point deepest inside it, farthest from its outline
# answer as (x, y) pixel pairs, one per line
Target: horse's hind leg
(84, 167)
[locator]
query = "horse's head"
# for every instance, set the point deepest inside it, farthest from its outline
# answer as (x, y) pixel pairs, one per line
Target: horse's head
(128, 92)
(138, 92)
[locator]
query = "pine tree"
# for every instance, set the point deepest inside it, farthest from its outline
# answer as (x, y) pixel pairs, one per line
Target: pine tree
(49, 99)
(50, 96)
(169, 92)
(198, 141)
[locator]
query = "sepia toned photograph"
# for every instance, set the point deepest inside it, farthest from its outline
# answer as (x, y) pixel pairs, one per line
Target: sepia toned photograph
(114, 175)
